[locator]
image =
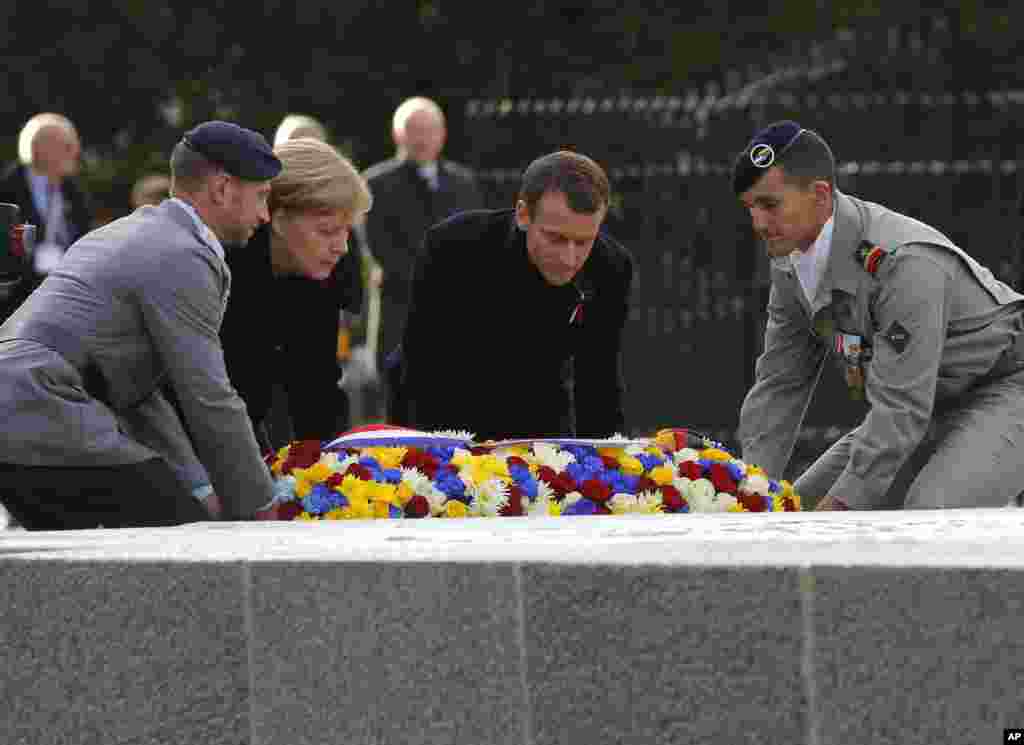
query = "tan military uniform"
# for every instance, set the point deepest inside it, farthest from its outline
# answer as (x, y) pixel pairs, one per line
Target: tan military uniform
(932, 339)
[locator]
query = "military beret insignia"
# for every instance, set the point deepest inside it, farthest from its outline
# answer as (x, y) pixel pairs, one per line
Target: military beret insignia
(765, 150)
(871, 256)
(898, 336)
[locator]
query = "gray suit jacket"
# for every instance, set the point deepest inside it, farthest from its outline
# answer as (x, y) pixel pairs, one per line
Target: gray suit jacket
(133, 304)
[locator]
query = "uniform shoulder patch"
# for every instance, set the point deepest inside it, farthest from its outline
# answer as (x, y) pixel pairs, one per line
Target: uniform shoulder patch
(898, 336)
(871, 256)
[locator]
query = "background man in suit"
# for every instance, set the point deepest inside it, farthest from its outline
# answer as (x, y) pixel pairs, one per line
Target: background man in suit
(89, 438)
(413, 190)
(931, 339)
(516, 321)
(42, 182)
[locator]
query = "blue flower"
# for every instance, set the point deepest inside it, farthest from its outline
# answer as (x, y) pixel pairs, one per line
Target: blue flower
(370, 463)
(391, 475)
(737, 473)
(774, 486)
(451, 485)
(443, 452)
(650, 461)
(321, 500)
(581, 507)
(580, 472)
(522, 476)
(394, 512)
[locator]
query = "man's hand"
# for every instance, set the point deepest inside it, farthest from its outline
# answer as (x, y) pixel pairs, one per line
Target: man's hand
(830, 504)
(213, 505)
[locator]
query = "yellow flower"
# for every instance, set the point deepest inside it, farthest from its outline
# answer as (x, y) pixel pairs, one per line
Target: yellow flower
(359, 507)
(404, 494)
(455, 508)
(755, 471)
(276, 467)
(384, 493)
(302, 488)
(616, 453)
(631, 465)
(387, 457)
(479, 469)
(336, 514)
(715, 454)
(655, 451)
(318, 473)
(305, 516)
(787, 488)
(736, 507)
(555, 508)
(461, 458)
(380, 510)
(662, 475)
(353, 488)
(283, 452)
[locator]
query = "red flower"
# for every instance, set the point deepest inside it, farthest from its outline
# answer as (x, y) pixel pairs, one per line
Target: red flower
(515, 460)
(478, 450)
(304, 453)
(609, 462)
(560, 483)
(719, 475)
(417, 506)
(646, 483)
(596, 491)
(751, 502)
(602, 509)
(289, 510)
(360, 472)
(333, 480)
(672, 499)
(788, 505)
(691, 469)
(425, 462)
(514, 506)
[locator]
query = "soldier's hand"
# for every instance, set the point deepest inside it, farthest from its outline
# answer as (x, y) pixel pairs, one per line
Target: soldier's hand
(828, 504)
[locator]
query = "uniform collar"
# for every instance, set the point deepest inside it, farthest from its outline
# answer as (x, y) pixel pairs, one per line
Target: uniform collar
(842, 271)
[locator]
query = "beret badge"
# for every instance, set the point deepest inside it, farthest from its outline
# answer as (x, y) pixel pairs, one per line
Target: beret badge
(762, 155)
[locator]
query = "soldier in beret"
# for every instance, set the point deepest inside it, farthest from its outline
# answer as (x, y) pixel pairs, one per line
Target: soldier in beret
(89, 438)
(919, 328)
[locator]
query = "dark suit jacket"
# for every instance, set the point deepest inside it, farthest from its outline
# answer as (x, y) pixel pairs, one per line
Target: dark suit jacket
(489, 347)
(14, 188)
(403, 208)
(285, 330)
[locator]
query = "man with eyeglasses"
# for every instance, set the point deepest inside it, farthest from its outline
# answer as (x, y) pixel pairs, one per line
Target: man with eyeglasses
(89, 438)
(920, 330)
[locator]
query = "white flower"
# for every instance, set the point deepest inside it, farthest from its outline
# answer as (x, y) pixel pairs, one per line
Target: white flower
(757, 484)
(623, 503)
(541, 506)
(570, 499)
(544, 491)
(421, 484)
(488, 498)
(455, 434)
(684, 455)
(701, 496)
(725, 501)
(635, 449)
(345, 462)
(549, 455)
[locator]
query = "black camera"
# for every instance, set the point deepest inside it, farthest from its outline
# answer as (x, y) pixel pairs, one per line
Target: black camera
(17, 244)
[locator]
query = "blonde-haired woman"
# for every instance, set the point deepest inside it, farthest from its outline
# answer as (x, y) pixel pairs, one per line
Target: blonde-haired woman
(288, 285)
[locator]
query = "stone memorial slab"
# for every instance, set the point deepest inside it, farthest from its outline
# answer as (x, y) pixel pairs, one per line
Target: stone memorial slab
(110, 653)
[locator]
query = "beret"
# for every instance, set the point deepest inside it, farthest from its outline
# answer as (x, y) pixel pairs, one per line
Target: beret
(762, 152)
(241, 152)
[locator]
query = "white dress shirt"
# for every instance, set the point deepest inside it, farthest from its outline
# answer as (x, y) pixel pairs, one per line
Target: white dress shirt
(810, 264)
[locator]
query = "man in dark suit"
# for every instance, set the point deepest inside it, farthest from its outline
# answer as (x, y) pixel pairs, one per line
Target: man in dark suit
(516, 316)
(411, 192)
(42, 182)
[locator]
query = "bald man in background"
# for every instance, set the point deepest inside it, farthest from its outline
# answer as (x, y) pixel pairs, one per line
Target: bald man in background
(42, 182)
(412, 191)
